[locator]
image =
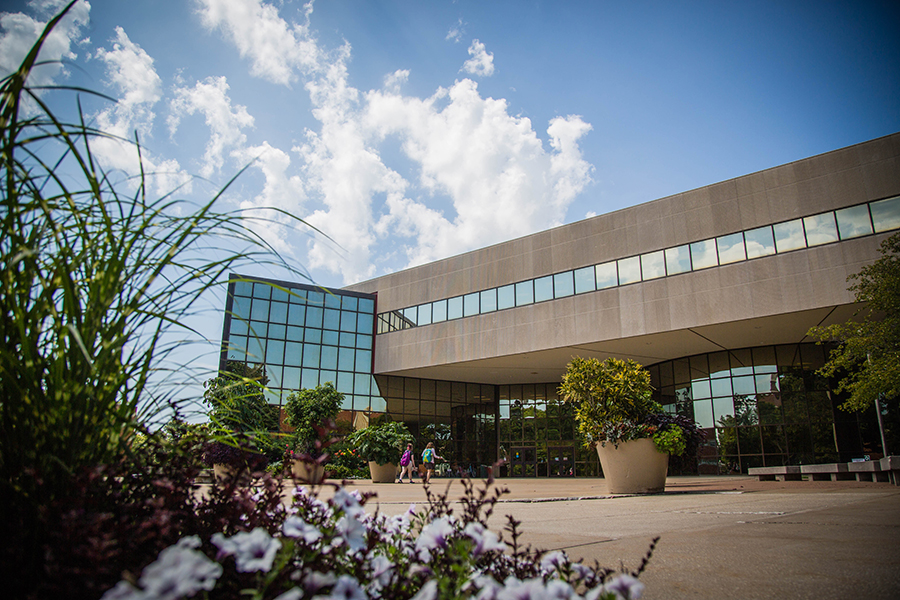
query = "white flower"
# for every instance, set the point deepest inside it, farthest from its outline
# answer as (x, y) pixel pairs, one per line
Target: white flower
(353, 532)
(346, 588)
(552, 561)
(625, 586)
(254, 551)
(434, 535)
(291, 594)
(485, 539)
(179, 571)
(348, 502)
(429, 591)
(382, 569)
(316, 581)
(123, 591)
(296, 527)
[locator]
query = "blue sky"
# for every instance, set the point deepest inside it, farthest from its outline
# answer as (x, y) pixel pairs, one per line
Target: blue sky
(410, 131)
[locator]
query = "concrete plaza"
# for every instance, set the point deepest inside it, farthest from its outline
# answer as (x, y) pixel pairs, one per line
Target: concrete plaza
(719, 536)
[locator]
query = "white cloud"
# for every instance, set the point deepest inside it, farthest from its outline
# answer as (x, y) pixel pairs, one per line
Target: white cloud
(481, 63)
(274, 47)
(226, 122)
(456, 32)
(20, 31)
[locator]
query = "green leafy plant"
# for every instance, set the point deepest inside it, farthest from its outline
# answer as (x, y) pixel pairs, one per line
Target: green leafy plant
(381, 443)
(670, 441)
(310, 411)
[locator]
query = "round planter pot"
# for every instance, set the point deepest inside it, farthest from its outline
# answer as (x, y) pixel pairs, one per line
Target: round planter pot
(383, 473)
(307, 472)
(635, 467)
(223, 473)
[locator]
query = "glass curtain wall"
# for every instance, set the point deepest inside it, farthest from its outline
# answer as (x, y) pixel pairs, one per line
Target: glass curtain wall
(764, 407)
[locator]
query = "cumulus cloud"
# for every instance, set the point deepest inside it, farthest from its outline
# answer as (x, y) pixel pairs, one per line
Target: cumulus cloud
(21, 30)
(226, 122)
(481, 63)
(456, 32)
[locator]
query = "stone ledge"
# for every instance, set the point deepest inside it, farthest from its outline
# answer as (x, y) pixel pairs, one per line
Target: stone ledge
(885, 470)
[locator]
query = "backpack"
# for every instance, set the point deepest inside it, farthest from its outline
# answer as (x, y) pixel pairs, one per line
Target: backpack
(428, 455)
(404, 460)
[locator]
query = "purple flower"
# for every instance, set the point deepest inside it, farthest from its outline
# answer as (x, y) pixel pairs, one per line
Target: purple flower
(485, 540)
(296, 527)
(434, 535)
(625, 587)
(346, 588)
(254, 551)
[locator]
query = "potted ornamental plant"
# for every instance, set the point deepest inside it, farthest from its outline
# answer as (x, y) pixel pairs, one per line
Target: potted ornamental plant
(616, 413)
(382, 444)
(311, 412)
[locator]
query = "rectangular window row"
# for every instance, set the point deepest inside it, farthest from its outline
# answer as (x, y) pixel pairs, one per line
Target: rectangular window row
(303, 297)
(805, 232)
(297, 315)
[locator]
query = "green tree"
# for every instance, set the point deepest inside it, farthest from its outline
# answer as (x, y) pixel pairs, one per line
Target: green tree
(867, 357)
(311, 408)
(237, 400)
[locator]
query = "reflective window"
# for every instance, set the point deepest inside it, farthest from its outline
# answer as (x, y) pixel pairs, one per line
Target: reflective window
(455, 308)
(314, 317)
(653, 265)
(439, 311)
(489, 300)
(854, 221)
(760, 242)
(629, 270)
(543, 289)
(262, 290)
(731, 248)
(424, 315)
(789, 236)
(524, 293)
(703, 254)
(678, 260)
(584, 280)
(260, 310)
(243, 288)
(607, 275)
(470, 304)
(240, 309)
(563, 284)
(506, 297)
(333, 318)
(886, 214)
(820, 229)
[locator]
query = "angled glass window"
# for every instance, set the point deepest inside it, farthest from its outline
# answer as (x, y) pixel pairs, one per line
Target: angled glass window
(260, 310)
(789, 236)
(345, 358)
(455, 308)
(295, 333)
(256, 350)
(293, 353)
(332, 318)
(296, 314)
(886, 214)
(584, 280)
(678, 260)
(332, 301)
(410, 315)
(274, 352)
(607, 275)
(524, 293)
(629, 270)
(330, 337)
(438, 311)
(349, 302)
(854, 221)
(243, 288)
(237, 327)
(278, 312)
(760, 242)
(279, 295)
(543, 288)
(489, 300)
(314, 317)
(653, 265)
(311, 355)
(329, 358)
(313, 336)
(262, 290)
(704, 255)
(731, 248)
(506, 297)
(277, 331)
(820, 229)
(240, 309)
(424, 315)
(347, 339)
(364, 322)
(470, 304)
(563, 284)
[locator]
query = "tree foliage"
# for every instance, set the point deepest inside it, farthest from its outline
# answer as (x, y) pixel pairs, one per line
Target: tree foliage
(236, 399)
(867, 358)
(311, 408)
(382, 442)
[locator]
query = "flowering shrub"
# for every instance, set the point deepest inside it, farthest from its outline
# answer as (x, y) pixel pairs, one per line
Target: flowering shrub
(332, 549)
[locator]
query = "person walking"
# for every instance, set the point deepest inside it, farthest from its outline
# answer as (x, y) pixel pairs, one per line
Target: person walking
(428, 458)
(407, 463)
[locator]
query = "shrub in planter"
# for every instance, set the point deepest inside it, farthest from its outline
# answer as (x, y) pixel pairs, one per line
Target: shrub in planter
(381, 443)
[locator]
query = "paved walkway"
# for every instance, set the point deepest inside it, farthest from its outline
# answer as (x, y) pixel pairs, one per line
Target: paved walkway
(721, 537)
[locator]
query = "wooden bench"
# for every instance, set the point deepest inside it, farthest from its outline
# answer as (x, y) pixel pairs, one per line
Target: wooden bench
(886, 469)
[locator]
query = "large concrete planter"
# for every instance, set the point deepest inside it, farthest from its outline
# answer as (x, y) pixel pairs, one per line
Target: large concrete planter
(635, 467)
(223, 472)
(383, 473)
(306, 472)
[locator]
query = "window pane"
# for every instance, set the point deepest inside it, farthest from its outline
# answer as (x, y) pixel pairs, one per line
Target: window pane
(455, 308)
(506, 297)
(607, 275)
(262, 290)
(311, 356)
(543, 289)
(329, 357)
(243, 288)
(678, 260)
(470, 304)
(653, 265)
(364, 322)
(563, 284)
(348, 321)
(366, 305)
(278, 312)
(854, 221)
(439, 311)
(703, 254)
(789, 236)
(820, 229)
(629, 270)
(314, 317)
(424, 314)
(238, 327)
(886, 214)
(760, 242)
(489, 300)
(345, 358)
(584, 280)
(240, 308)
(524, 293)
(731, 248)
(260, 310)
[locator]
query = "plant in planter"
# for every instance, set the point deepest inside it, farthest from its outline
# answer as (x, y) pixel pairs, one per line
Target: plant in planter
(616, 413)
(311, 412)
(381, 444)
